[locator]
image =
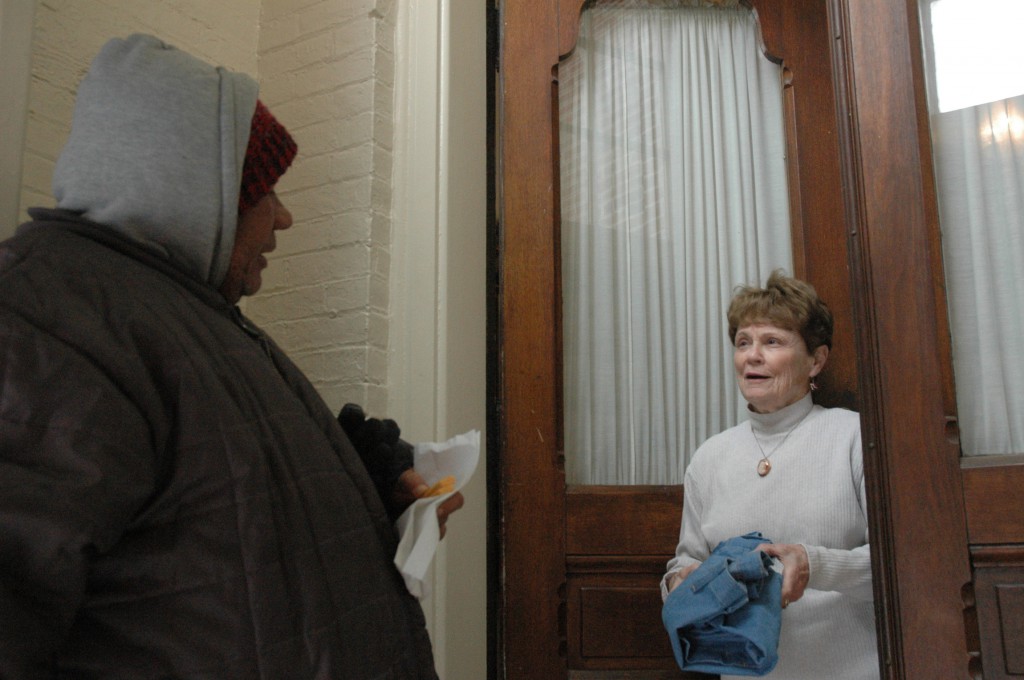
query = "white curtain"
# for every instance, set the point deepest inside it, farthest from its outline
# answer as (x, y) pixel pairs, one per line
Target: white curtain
(673, 192)
(979, 162)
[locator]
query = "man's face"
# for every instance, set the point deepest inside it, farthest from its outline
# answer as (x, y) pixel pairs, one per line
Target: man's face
(254, 237)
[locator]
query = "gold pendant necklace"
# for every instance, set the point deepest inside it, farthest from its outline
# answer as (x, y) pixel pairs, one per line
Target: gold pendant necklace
(764, 466)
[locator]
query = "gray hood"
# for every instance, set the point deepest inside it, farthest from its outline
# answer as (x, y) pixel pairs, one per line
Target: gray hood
(156, 152)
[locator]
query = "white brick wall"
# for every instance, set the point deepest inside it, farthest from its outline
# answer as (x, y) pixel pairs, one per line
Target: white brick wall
(67, 36)
(327, 71)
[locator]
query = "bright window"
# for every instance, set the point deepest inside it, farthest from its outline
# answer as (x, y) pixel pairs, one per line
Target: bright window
(978, 51)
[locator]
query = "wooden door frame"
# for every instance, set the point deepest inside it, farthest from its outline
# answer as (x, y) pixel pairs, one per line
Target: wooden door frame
(911, 451)
(917, 518)
(531, 481)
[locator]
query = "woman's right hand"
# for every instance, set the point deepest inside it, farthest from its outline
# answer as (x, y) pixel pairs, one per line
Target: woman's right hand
(678, 577)
(796, 570)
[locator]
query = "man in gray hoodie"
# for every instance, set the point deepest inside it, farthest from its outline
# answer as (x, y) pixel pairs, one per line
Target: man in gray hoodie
(176, 501)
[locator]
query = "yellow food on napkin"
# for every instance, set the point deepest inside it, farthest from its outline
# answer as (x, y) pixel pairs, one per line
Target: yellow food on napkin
(441, 487)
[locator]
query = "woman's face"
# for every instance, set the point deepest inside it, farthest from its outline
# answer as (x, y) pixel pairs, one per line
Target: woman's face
(773, 367)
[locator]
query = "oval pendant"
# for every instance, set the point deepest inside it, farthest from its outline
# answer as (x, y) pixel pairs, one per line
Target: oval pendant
(763, 467)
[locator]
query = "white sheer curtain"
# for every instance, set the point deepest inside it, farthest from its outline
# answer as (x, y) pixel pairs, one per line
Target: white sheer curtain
(673, 192)
(979, 162)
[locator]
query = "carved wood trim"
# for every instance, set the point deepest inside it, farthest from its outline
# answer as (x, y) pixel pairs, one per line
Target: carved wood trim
(568, 25)
(796, 215)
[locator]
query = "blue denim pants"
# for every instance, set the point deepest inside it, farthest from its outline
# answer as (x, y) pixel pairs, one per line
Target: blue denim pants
(725, 617)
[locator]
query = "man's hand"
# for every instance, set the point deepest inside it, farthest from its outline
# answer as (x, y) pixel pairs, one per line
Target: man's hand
(385, 455)
(411, 486)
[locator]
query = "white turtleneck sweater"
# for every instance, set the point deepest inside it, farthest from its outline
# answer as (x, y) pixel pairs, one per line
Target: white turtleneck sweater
(814, 496)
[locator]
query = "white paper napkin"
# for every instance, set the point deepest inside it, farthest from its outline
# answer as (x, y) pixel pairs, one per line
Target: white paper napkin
(417, 526)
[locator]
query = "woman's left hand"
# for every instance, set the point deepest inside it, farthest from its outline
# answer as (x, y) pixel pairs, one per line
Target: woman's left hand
(796, 570)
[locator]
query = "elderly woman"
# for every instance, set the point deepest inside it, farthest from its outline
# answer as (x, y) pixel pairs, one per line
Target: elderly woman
(793, 472)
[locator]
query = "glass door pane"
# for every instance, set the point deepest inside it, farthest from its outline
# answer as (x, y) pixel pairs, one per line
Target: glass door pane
(673, 192)
(973, 57)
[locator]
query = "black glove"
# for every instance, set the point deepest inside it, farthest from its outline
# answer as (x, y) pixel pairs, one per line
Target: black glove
(384, 454)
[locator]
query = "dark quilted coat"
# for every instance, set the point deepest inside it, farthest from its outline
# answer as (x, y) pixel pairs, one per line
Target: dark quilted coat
(176, 501)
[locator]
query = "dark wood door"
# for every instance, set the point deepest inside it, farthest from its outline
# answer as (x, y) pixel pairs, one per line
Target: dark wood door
(579, 566)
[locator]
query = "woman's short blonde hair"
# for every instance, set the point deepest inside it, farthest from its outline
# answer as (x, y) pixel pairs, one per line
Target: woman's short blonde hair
(785, 302)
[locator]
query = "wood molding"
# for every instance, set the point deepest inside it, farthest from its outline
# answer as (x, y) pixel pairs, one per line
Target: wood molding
(651, 565)
(988, 519)
(991, 556)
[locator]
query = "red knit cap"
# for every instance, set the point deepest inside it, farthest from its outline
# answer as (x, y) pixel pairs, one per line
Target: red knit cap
(271, 150)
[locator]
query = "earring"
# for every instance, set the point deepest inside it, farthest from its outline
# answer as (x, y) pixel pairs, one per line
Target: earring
(814, 385)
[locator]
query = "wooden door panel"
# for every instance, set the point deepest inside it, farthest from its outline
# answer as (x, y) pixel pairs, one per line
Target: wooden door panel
(577, 562)
(994, 499)
(994, 502)
(618, 540)
(999, 597)
(615, 622)
(615, 629)
(623, 520)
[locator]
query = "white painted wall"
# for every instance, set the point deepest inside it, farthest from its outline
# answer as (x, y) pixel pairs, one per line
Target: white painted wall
(16, 20)
(378, 290)
(438, 348)
(326, 71)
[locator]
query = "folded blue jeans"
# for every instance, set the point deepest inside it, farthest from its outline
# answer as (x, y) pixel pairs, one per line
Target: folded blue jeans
(726, 615)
